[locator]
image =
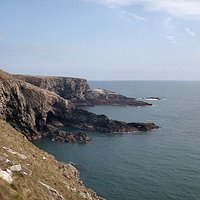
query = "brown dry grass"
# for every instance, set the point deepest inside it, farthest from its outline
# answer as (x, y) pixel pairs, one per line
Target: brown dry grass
(61, 177)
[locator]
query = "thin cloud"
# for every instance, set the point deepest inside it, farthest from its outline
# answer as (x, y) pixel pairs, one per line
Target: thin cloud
(171, 38)
(190, 32)
(184, 9)
(131, 16)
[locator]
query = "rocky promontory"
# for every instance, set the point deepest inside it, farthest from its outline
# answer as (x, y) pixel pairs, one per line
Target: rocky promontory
(79, 92)
(31, 110)
(106, 97)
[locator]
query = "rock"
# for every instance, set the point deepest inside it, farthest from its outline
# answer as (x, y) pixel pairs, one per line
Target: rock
(105, 97)
(15, 153)
(19, 168)
(82, 119)
(81, 137)
(58, 135)
(6, 176)
(16, 168)
(53, 193)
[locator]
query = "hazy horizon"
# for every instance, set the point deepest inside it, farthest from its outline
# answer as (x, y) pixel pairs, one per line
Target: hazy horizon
(102, 39)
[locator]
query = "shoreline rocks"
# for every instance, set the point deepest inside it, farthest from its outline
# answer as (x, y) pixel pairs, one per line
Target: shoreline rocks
(57, 135)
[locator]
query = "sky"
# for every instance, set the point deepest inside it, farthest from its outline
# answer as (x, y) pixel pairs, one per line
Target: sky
(101, 39)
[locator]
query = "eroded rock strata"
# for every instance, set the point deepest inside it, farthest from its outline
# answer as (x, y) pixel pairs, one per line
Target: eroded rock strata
(79, 92)
(31, 110)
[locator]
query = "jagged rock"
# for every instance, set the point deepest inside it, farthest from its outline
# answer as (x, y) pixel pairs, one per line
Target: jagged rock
(82, 119)
(58, 135)
(106, 97)
(82, 137)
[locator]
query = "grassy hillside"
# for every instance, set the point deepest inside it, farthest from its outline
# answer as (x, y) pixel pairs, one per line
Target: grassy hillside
(41, 177)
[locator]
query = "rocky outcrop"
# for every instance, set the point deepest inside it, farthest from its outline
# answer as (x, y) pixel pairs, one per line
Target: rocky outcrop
(58, 135)
(106, 97)
(84, 120)
(31, 110)
(39, 176)
(78, 91)
(66, 87)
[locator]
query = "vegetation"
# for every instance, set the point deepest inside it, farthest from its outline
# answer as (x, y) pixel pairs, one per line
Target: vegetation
(48, 178)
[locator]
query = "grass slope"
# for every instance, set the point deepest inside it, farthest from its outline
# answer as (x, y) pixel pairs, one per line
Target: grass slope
(63, 178)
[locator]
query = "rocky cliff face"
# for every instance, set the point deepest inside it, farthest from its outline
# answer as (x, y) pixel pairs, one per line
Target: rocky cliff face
(79, 92)
(27, 172)
(26, 106)
(66, 87)
(33, 111)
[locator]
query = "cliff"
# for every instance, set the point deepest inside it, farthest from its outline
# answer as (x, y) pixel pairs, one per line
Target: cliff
(66, 87)
(27, 172)
(27, 107)
(35, 111)
(78, 91)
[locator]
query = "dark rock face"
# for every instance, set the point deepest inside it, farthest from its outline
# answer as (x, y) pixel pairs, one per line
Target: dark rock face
(58, 135)
(82, 119)
(79, 92)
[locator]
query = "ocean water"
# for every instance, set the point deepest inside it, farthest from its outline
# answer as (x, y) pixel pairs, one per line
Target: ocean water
(162, 164)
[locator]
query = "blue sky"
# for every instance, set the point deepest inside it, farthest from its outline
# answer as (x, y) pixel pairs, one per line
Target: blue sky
(102, 39)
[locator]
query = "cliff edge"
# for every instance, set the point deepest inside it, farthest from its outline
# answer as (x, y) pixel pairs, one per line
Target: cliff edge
(79, 92)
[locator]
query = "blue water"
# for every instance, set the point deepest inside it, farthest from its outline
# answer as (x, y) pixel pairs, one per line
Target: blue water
(163, 164)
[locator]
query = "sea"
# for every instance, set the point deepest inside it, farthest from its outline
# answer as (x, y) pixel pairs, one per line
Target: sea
(162, 164)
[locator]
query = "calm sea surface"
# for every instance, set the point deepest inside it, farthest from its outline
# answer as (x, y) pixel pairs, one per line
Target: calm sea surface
(163, 164)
